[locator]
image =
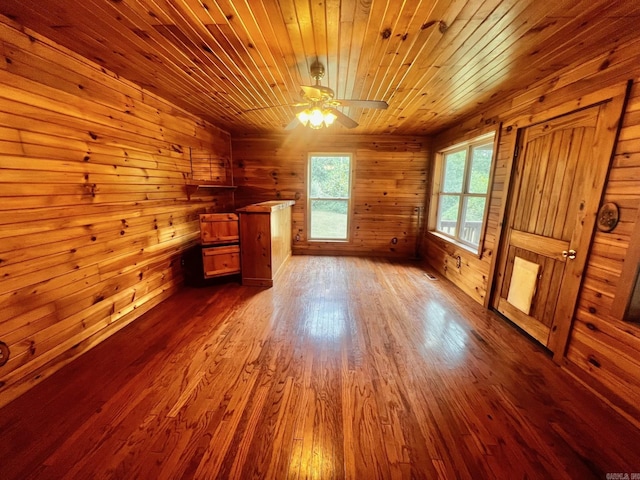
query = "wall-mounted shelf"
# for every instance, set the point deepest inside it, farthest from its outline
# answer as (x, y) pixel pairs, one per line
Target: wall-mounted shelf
(194, 185)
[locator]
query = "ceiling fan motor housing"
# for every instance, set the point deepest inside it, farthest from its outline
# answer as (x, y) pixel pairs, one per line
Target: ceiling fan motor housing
(317, 71)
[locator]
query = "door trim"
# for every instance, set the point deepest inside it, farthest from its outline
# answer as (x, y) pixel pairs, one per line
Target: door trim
(614, 99)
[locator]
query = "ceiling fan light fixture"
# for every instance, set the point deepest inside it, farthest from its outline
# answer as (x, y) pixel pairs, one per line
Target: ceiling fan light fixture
(318, 107)
(316, 117)
(303, 116)
(329, 117)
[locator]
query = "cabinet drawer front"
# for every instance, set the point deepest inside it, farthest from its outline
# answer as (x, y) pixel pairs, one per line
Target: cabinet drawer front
(218, 228)
(219, 261)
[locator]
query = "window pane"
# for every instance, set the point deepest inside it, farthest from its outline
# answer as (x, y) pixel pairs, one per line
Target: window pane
(453, 171)
(329, 219)
(480, 168)
(472, 215)
(448, 214)
(329, 177)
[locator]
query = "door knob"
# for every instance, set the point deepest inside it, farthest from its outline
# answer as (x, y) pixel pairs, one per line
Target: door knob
(571, 254)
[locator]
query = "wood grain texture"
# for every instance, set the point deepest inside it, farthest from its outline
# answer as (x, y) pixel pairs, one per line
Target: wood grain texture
(219, 228)
(347, 368)
(434, 62)
(608, 362)
(265, 238)
(94, 212)
(388, 195)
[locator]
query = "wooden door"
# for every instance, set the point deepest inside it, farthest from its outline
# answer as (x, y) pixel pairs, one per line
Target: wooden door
(561, 167)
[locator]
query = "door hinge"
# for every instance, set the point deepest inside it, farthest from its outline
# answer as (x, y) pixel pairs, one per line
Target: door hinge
(515, 155)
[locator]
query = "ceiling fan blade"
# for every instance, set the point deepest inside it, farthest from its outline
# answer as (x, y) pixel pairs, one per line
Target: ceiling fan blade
(380, 104)
(293, 105)
(293, 124)
(343, 119)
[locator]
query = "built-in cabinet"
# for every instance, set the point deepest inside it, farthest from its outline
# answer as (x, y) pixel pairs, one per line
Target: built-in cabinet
(220, 241)
(265, 233)
(255, 241)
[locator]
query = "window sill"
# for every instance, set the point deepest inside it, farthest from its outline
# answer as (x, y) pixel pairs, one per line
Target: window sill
(472, 250)
(327, 240)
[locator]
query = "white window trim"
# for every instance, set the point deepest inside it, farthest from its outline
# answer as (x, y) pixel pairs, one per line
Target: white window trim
(348, 199)
(436, 191)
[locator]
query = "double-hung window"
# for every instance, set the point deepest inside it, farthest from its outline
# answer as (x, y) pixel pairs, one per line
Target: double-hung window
(329, 196)
(461, 184)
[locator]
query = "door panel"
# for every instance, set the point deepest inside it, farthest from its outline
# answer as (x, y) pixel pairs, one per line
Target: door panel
(557, 172)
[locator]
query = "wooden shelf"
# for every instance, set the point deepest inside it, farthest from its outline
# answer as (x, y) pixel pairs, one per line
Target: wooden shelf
(194, 185)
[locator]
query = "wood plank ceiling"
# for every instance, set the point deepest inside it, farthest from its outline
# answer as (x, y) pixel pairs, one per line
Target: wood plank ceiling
(433, 61)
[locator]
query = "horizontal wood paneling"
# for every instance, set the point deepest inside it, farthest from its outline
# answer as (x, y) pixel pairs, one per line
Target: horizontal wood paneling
(470, 273)
(388, 186)
(94, 214)
(602, 349)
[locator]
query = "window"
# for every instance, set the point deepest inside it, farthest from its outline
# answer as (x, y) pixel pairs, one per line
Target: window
(461, 183)
(329, 195)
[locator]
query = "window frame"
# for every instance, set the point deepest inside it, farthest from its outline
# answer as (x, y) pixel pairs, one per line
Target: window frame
(437, 193)
(348, 199)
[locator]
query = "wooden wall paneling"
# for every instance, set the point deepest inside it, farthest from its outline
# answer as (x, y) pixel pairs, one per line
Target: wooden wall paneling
(41, 96)
(626, 294)
(41, 345)
(95, 213)
(70, 349)
(102, 45)
(602, 350)
(444, 255)
(389, 185)
(575, 83)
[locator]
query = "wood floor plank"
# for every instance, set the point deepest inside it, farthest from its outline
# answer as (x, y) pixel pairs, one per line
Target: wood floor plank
(348, 367)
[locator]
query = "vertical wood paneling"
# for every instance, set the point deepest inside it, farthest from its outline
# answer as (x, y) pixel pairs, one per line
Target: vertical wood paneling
(602, 348)
(388, 186)
(433, 61)
(93, 208)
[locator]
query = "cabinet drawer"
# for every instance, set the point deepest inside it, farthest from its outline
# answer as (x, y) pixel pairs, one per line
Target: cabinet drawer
(216, 228)
(219, 261)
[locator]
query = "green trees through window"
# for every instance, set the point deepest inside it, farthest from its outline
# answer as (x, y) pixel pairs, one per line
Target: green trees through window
(463, 191)
(329, 194)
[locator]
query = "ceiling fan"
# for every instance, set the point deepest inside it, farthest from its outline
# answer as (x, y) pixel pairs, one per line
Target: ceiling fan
(318, 106)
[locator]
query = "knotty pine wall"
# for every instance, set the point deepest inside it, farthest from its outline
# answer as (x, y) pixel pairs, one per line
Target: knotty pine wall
(603, 350)
(93, 208)
(388, 186)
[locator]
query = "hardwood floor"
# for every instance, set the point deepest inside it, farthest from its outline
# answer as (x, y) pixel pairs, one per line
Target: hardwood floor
(346, 368)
